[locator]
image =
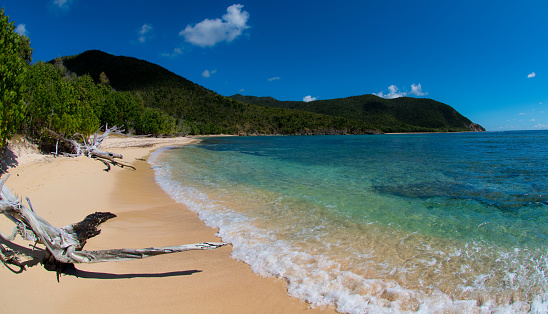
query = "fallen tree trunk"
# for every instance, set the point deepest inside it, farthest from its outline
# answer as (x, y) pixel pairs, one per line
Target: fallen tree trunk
(90, 147)
(63, 246)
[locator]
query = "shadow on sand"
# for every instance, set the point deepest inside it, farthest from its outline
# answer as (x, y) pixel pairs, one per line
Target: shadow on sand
(7, 159)
(36, 255)
(73, 271)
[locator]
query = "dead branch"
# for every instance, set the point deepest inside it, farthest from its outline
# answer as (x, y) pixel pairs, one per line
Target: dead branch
(90, 147)
(64, 246)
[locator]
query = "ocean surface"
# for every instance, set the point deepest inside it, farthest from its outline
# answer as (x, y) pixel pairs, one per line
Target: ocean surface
(379, 223)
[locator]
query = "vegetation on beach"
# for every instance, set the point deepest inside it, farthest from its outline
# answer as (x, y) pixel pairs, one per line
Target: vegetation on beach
(15, 55)
(78, 94)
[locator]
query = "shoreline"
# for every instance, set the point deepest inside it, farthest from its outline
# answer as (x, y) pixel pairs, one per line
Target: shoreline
(65, 190)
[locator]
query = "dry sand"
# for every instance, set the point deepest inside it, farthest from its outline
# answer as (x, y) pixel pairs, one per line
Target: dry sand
(65, 190)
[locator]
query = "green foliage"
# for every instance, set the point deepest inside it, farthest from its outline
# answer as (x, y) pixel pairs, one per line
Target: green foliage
(61, 103)
(155, 122)
(68, 104)
(25, 51)
(12, 77)
(119, 108)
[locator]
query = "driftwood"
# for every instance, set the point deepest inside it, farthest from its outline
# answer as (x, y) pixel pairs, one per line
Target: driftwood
(90, 147)
(64, 246)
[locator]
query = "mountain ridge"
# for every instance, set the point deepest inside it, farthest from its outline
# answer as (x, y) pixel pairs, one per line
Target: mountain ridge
(383, 113)
(199, 110)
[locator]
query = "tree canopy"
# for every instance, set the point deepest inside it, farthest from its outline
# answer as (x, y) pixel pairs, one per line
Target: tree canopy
(15, 54)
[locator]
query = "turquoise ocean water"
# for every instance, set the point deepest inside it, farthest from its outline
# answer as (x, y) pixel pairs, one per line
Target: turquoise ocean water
(384, 223)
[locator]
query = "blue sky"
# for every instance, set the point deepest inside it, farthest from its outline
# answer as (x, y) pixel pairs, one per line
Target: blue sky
(487, 59)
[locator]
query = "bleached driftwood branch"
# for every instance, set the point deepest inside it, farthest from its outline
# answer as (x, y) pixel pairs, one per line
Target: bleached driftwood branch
(64, 245)
(90, 147)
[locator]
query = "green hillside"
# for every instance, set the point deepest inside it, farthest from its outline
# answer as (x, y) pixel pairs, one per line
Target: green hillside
(198, 110)
(403, 114)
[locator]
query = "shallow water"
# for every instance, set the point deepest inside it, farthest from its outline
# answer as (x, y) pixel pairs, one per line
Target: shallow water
(417, 222)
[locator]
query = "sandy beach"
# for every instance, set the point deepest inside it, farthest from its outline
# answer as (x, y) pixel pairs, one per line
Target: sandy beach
(64, 190)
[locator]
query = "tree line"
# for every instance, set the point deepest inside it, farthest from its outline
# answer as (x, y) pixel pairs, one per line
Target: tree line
(47, 95)
(66, 103)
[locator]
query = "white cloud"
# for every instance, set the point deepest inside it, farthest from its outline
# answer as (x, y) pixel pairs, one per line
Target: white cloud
(275, 78)
(394, 92)
(208, 32)
(309, 98)
(21, 29)
(417, 90)
(208, 73)
(533, 74)
(242, 90)
(144, 33)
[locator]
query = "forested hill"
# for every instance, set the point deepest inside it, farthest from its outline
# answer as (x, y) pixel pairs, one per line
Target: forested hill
(404, 114)
(193, 109)
(197, 110)
(128, 73)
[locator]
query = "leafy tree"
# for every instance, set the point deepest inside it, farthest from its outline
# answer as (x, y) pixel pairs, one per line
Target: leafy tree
(15, 52)
(25, 51)
(61, 103)
(103, 79)
(119, 108)
(155, 122)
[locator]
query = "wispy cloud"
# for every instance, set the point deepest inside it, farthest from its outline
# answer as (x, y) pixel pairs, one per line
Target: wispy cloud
(176, 52)
(394, 92)
(531, 75)
(144, 33)
(309, 98)
(21, 29)
(208, 33)
(208, 73)
(62, 4)
(275, 78)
